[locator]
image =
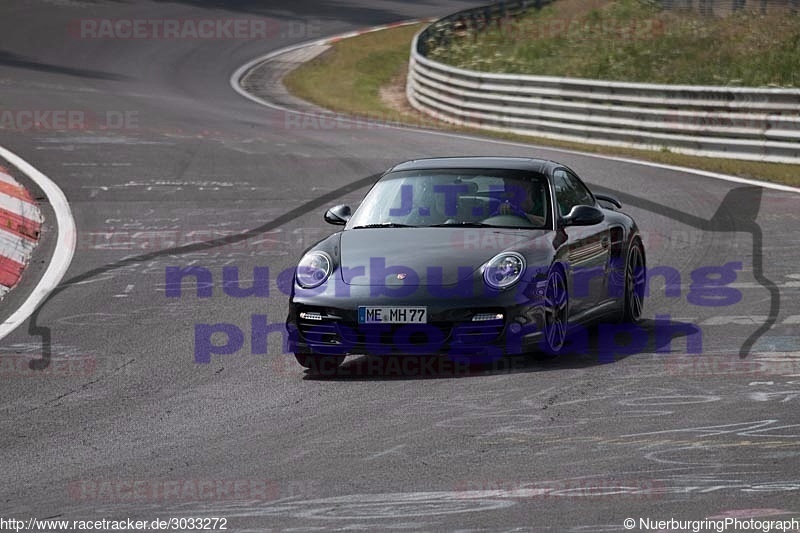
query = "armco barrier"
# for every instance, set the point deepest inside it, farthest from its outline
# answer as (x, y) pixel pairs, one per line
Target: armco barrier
(734, 122)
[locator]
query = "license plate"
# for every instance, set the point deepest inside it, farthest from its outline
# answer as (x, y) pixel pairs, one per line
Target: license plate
(392, 315)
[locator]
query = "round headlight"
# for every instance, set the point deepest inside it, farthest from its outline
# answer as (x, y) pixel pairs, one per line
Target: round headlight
(504, 270)
(313, 269)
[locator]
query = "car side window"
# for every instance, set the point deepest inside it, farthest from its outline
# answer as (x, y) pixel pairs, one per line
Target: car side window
(570, 191)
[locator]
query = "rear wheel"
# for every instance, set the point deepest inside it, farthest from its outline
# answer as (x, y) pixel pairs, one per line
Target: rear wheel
(318, 363)
(635, 280)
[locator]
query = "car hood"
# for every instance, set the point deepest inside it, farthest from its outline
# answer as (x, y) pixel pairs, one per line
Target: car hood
(427, 256)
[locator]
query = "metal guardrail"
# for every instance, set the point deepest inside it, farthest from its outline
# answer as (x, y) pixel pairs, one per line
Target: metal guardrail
(726, 7)
(733, 122)
(457, 25)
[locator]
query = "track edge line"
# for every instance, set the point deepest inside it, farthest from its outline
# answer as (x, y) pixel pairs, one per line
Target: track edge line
(64, 249)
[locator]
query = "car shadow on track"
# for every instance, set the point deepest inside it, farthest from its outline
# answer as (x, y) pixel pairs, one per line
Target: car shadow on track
(586, 347)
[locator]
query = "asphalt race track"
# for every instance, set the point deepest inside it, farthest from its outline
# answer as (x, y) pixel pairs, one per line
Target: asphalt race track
(123, 423)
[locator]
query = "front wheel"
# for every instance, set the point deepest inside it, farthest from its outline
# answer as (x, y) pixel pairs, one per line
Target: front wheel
(556, 301)
(320, 364)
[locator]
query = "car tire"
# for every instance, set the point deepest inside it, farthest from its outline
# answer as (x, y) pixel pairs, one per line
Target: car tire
(635, 281)
(319, 364)
(556, 316)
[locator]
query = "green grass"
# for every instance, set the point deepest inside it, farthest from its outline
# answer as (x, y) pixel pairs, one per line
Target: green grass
(633, 40)
(349, 77)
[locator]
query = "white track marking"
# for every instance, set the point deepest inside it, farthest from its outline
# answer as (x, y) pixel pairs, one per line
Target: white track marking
(124, 294)
(64, 249)
(241, 71)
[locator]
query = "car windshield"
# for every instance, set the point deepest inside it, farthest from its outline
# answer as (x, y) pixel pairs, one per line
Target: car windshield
(455, 197)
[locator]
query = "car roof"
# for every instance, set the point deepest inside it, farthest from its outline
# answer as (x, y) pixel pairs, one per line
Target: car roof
(512, 163)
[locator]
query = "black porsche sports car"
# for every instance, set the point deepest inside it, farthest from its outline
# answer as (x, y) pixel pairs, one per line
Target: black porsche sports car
(466, 257)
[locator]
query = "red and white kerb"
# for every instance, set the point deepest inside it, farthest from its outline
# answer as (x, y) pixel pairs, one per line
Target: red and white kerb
(20, 224)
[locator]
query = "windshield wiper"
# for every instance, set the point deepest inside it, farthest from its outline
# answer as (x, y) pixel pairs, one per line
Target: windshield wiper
(481, 225)
(383, 225)
(462, 225)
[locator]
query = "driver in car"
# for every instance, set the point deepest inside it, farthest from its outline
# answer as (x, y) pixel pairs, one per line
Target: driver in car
(527, 200)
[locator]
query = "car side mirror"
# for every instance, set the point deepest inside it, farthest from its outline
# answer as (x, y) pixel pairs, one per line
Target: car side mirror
(613, 200)
(338, 215)
(583, 215)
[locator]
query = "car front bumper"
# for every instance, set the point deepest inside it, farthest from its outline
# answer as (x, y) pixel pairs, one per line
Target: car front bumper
(502, 324)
